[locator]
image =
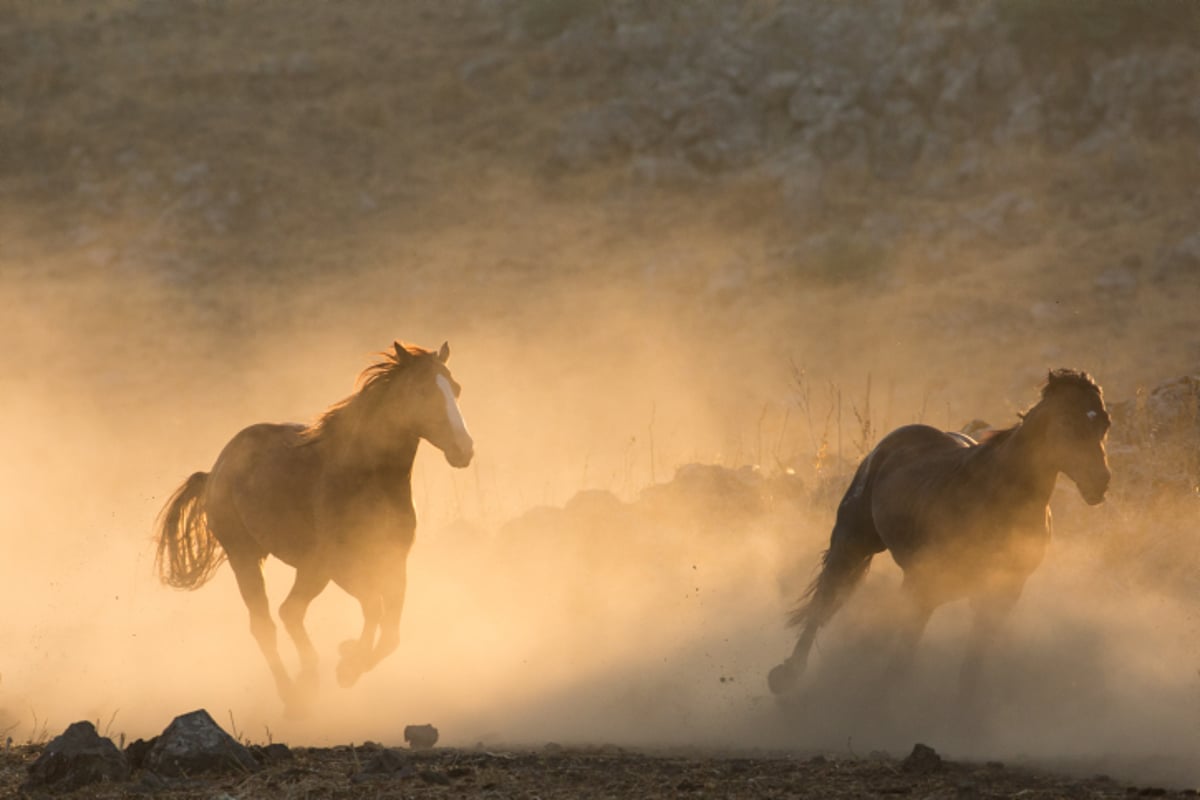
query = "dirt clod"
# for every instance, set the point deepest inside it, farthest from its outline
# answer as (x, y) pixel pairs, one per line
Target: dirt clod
(420, 737)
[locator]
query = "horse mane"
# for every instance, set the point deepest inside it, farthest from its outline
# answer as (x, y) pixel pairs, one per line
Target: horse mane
(1058, 378)
(1055, 380)
(370, 384)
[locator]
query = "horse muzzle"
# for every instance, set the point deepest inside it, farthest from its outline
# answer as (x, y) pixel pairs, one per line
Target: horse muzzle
(459, 457)
(1093, 493)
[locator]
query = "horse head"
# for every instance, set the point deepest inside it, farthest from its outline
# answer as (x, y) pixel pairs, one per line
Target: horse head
(1074, 425)
(431, 407)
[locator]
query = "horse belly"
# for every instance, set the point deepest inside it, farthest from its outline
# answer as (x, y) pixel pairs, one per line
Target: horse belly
(261, 490)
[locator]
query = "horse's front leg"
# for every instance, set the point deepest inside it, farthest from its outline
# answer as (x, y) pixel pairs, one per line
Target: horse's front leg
(389, 622)
(356, 653)
(381, 593)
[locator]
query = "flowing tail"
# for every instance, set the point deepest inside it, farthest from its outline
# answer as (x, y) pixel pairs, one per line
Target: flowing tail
(188, 553)
(842, 569)
(852, 545)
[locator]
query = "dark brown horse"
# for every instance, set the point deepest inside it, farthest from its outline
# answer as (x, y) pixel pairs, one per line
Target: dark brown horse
(962, 519)
(333, 500)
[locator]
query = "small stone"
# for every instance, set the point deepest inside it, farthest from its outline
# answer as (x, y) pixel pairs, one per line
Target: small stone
(273, 753)
(420, 737)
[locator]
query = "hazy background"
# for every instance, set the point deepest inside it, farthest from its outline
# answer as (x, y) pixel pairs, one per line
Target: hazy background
(653, 236)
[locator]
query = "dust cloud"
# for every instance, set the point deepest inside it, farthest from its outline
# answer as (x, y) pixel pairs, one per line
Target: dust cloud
(624, 626)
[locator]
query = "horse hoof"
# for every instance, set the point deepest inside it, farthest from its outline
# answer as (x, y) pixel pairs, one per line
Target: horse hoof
(782, 679)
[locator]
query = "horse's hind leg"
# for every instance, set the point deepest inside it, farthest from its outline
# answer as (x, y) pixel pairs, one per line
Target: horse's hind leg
(309, 583)
(918, 608)
(853, 544)
(247, 569)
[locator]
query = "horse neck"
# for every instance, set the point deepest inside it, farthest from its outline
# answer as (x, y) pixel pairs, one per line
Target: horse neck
(359, 445)
(1022, 459)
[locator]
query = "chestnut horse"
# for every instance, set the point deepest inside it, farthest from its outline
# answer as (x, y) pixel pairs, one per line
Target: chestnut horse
(962, 519)
(333, 500)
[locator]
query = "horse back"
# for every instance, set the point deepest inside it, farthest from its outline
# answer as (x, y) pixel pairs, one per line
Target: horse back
(275, 491)
(901, 486)
(261, 491)
(935, 498)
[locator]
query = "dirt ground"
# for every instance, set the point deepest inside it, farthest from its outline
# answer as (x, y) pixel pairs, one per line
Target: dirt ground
(368, 771)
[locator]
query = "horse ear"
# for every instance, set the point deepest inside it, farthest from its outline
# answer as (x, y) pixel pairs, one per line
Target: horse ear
(402, 353)
(444, 352)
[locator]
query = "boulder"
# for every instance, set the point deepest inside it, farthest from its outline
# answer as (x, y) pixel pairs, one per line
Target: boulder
(193, 743)
(78, 757)
(136, 752)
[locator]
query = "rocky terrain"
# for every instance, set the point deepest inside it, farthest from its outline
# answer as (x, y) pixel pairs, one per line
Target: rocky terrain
(371, 770)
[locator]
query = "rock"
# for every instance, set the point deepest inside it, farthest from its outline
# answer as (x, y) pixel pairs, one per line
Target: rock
(923, 759)
(420, 737)
(137, 751)
(78, 757)
(589, 502)
(273, 753)
(712, 495)
(193, 743)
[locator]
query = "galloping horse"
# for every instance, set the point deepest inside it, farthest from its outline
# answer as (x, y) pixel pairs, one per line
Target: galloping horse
(333, 500)
(961, 518)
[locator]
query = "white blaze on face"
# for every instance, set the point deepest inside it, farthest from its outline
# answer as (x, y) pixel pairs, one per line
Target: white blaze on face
(462, 438)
